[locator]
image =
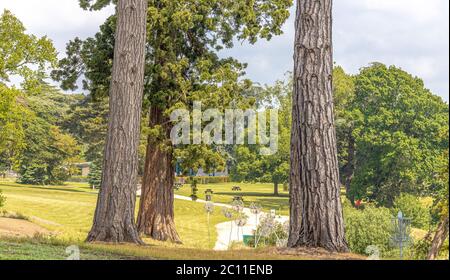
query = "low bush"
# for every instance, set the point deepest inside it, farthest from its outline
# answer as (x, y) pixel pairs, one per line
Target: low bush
(412, 208)
(270, 233)
(78, 179)
(369, 227)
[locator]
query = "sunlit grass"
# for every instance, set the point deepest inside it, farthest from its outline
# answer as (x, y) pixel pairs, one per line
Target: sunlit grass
(68, 211)
(262, 194)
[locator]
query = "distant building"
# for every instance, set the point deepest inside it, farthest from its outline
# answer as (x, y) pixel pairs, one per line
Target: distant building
(84, 167)
(201, 172)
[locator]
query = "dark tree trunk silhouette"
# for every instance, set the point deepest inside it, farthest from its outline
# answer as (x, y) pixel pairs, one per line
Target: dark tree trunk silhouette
(439, 238)
(156, 210)
(276, 189)
(114, 219)
(316, 211)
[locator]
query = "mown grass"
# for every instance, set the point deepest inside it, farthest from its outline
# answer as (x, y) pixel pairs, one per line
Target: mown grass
(68, 211)
(51, 248)
(33, 249)
(262, 194)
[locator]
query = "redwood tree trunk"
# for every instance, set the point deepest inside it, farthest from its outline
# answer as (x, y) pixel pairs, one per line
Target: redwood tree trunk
(439, 239)
(156, 210)
(316, 210)
(114, 219)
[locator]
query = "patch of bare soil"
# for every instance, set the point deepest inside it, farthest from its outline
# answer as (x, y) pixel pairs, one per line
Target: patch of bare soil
(317, 253)
(20, 228)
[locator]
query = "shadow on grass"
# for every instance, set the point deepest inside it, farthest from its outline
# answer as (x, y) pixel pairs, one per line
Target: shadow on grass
(254, 194)
(56, 188)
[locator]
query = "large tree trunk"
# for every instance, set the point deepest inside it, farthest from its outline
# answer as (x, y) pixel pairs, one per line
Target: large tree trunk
(439, 239)
(276, 189)
(316, 211)
(114, 219)
(156, 210)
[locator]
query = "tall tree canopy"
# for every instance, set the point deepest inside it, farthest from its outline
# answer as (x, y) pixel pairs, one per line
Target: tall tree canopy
(182, 66)
(391, 133)
(247, 162)
(28, 58)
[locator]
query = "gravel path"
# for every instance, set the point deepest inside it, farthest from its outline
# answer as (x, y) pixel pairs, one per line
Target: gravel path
(228, 231)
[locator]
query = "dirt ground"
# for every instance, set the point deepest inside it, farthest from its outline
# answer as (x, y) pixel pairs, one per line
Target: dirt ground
(20, 228)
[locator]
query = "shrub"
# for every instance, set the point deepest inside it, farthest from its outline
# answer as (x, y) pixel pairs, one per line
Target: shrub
(369, 227)
(208, 179)
(78, 179)
(270, 233)
(412, 208)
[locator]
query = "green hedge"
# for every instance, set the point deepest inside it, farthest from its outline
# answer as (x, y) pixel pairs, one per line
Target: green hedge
(78, 179)
(206, 179)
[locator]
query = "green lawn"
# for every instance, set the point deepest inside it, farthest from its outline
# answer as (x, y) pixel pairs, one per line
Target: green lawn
(32, 250)
(68, 210)
(259, 193)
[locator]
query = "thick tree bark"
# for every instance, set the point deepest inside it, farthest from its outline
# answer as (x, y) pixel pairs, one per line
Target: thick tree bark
(276, 189)
(316, 211)
(114, 219)
(156, 210)
(439, 239)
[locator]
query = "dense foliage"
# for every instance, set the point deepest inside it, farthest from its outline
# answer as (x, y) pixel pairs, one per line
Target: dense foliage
(182, 64)
(248, 165)
(369, 227)
(394, 128)
(413, 208)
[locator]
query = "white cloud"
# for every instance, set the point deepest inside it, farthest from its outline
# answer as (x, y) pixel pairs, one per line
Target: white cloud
(60, 20)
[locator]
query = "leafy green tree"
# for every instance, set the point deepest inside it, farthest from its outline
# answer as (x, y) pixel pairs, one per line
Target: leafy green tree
(49, 154)
(95, 175)
(28, 58)
(23, 55)
(183, 66)
(392, 127)
(251, 166)
(412, 208)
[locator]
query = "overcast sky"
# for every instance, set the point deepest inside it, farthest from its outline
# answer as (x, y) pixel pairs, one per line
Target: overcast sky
(411, 34)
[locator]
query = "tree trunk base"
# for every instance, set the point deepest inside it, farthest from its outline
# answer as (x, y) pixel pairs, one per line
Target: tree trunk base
(113, 236)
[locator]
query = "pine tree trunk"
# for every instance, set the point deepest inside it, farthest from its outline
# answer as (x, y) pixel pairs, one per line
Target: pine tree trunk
(316, 210)
(114, 219)
(439, 239)
(156, 210)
